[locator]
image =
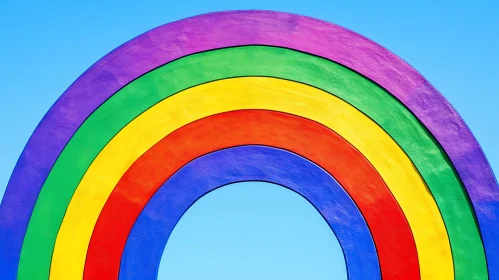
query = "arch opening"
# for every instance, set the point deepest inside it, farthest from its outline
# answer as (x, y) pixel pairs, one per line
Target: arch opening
(252, 230)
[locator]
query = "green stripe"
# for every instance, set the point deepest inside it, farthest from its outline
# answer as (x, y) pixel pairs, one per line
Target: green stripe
(426, 154)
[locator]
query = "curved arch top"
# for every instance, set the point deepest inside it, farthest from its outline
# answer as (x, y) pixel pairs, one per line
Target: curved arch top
(145, 244)
(172, 41)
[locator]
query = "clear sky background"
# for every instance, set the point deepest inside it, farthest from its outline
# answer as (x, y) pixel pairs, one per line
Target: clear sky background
(249, 231)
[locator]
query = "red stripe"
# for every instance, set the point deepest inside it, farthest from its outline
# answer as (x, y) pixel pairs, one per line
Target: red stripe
(391, 232)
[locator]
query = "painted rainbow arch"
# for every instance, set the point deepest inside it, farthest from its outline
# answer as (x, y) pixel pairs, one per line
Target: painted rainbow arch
(250, 96)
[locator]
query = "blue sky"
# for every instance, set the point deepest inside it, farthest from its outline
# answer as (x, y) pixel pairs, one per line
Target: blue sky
(46, 45)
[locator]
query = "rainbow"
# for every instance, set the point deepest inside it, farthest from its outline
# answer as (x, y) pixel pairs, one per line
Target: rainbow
(238, 96)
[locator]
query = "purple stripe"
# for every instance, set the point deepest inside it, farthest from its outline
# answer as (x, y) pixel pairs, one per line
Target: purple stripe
(171, 41)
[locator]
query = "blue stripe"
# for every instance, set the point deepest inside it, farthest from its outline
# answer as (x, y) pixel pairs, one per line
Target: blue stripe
(147, 240)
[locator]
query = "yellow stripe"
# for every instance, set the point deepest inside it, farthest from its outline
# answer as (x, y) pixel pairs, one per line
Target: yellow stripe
(252, 93)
